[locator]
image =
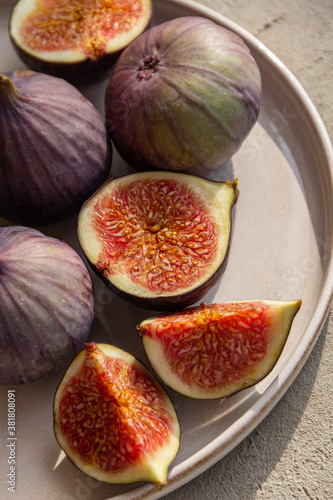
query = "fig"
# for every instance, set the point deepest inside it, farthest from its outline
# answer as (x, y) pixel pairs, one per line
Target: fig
(183, 96)
(76, 40)
(113, 419)
(46, 304)
(213, 351)
(159, 239)
(54, 148)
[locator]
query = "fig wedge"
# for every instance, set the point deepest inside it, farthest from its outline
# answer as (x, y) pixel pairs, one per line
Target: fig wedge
(159, 239)
(113, 419)
(76, 40)
(214, 351)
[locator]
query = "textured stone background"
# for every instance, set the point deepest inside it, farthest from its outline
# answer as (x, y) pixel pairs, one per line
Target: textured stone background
(289, 455)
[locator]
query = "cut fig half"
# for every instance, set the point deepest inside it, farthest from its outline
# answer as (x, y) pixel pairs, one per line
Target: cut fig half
(159, 239)
(76, 39)
(214, 351)
(113, 419)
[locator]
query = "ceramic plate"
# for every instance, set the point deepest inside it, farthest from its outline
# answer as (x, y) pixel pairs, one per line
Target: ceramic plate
(281, 249)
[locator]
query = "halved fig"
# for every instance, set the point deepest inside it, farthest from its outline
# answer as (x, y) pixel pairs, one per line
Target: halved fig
(77, 39)
(213, 351)
(159, 239)
(113, 419)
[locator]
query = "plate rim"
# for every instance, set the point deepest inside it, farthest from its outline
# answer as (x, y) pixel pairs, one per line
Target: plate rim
(201, 461)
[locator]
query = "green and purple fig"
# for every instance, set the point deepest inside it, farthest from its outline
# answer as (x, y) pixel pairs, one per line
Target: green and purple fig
(183, 96)
(46, 304)
(54, 148)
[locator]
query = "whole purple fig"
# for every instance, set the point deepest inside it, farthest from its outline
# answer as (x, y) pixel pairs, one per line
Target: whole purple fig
(46, 304)
(183, 96)
(54, 148)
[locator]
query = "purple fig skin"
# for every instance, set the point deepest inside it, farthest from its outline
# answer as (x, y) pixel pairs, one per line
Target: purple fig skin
(183, 96)
(78, 74)
(54, 148)
(46, 304)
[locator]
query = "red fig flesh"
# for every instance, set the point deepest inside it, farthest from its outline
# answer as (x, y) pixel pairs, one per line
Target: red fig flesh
(159, 239)
(216, 350)
(77, 39)
(113, 419)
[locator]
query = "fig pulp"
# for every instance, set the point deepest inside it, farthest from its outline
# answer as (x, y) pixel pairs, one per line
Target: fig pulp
(217, 350)
(183, 96)
(54, 148)
(76, 40)
(46, 304)
(113, 419)
(159, 239)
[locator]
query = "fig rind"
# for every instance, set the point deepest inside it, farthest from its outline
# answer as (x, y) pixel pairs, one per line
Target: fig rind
(106, 386)
(183, 97)
(214, 351)
(176, 249)
(54, 148)
(74, 41)
(46, 304)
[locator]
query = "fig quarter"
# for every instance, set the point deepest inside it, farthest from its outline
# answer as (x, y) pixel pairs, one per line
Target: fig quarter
(215, 350)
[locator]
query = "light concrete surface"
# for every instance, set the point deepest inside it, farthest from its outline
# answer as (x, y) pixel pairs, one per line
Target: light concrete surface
(289, 455)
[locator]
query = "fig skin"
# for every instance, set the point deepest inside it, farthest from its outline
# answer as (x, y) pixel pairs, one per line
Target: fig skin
(129, 430)
(115, 246)
(183, 96)
(214, 351)
(95, 50)
(46, 304)
(54, 148)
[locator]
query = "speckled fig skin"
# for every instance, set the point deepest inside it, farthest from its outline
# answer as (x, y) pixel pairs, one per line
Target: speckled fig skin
(80, 66)
(46, 304)
(183, 96)
(54, 148)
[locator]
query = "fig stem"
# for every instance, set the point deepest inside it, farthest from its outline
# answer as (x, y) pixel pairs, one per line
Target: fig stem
(7, 87)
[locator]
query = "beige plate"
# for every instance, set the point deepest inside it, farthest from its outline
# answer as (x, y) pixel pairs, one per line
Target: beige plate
(281, 249)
